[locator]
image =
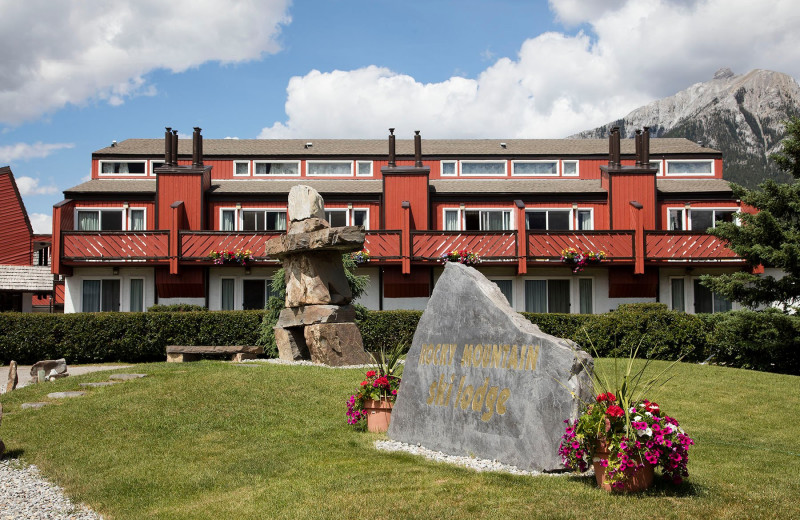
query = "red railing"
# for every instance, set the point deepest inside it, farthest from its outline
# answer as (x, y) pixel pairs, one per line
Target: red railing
(195, 245)
(122, 246)
(547, 245)
(686, 246)
(488, 245)
(383, 245)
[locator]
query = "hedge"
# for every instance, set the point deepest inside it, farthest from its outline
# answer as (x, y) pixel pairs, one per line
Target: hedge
(767, 340)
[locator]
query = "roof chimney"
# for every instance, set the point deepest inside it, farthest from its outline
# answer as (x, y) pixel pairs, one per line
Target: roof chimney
(417, 149)
(197, 148)
(392, 161)
(168, 147)
(638, 142)
(646, 146)
(613, 147)
(174, 157)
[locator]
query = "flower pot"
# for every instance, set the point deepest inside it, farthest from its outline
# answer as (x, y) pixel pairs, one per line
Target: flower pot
(379, 414)
(635, 481)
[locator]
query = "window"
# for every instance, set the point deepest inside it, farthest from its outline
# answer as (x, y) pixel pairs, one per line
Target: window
(657, 166)
(507, 288)
(288, 168)
(549, 220)
(678, 296)
(99, 220)
(702, 219)
(228, 220)
(122, 167)
(336, 218)
(675, 217)
(241, 168)
(361, 218)
(682, 167)
(569, 168)
(706, 301)
(483, 168)
(477, 220)
(263, 220)
(347, 217)
(585, 221)
(448, 168)
(100, 296)
(585, 296)
(136, 220)
(228, 285)
(547, 296)
(329, 168)
(137, 295)
(364, 168)
(154, 165)
(543, 168)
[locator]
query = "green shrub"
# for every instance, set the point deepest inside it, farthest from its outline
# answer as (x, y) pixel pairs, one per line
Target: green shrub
(386, 329)
(176, 307)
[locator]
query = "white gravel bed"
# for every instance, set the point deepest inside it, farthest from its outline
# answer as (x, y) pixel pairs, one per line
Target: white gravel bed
(25, 495)
(276, 361)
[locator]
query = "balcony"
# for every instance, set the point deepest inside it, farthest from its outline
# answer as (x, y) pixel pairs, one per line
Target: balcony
(687, 246)
(195, 245)
(115, 246)
(384, 245)
(491, 246)
(546, 246)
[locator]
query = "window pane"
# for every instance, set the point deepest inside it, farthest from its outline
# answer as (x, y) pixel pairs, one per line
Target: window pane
(558, 296)
(537, 168)
(702, 298)
(535, 295)
(676, 220)
(111, 220)
(109, 296)
(254, 294)
(137, 295)
(451, 220)
(688, 167)
(507, 288)
(585, 295)
(483, 168)
(329, 168)
(227, 294)
(448, 168)
(701, 219)
(678, 299)
(336, 218)
(656, 165)
(122, 167)
(472, 220)
(88, 221)
(137, 219)
(559, 220)
(536, 220)
(91, 296)
(494, 220)
(276, 221)
(276, 168)
(584, 219)
(360, 217)
(253, 220)
(228, 220)
(365, 168)
(570, 167)
(721, 304)
(723, 216)
(241, 168)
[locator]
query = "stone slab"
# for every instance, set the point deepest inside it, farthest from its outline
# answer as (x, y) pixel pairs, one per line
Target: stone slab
(311, 314)
(308, 225)
(341, 239)
(97, 385)
(214, 349)
(33, 406)
(336, 344)
(480, 380)
(305, 202)
(291, 344)
(126, 377)
(48, 365)
(65, 395)
(316, 279)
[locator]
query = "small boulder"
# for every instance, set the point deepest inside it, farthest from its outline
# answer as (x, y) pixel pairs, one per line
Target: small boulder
(49, 365)
(13, 378)
(305, 202)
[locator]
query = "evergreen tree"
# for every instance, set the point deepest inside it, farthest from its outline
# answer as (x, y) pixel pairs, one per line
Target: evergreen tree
(768, 237)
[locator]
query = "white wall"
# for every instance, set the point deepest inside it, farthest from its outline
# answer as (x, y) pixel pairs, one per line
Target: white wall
(689, 275)
(216, 274)
(73, 285)
(371, 297)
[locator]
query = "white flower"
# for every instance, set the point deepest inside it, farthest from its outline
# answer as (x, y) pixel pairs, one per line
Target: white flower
(648, 414)
(641, 405)
(648, 432)
(670, 427)
(640, 432)
(637, 418)
(632, 410)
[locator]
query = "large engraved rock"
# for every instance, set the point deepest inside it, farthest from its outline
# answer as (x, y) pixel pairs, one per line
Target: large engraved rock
(480, 380)
(314, 279)
(305, 202)
(336, 344)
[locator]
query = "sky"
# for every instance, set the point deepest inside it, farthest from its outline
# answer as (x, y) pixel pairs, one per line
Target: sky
(75, 75)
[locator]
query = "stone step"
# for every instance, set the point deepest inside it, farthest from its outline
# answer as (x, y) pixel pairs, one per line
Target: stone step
(32, 406)
(126, 377)
(95, 385)
(63, 395)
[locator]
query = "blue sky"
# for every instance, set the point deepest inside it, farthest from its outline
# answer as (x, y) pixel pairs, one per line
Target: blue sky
(77, 75)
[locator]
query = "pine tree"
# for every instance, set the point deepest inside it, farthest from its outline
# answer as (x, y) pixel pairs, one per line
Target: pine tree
(768, 237)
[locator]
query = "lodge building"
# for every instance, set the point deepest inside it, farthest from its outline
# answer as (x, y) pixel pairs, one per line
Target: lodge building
(141, 230)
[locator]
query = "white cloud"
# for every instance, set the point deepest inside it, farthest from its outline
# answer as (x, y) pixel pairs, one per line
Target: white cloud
(24, 151)
(558, 83)
(42, 223)
(30, 186)
(55, 53)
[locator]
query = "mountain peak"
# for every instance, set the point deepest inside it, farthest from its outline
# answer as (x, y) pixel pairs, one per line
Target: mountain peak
(723, 73)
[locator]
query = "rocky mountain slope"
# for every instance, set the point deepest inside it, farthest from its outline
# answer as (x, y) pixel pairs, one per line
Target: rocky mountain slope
(740, 115)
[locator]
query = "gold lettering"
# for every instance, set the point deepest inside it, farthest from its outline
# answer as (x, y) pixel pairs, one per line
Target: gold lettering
(522, 357)
(422, 351)
(486, 358)
(452, 353)
(436, 353)
(476, 355)
(512, 359)
(431, 393)
(501, 401)
(466, 397)
(460, 386)
(429, 354)
(491, 397)
(497, 356)
(506, 348)
(449, 389)
(466, 357)
(533, 356)
(440, 391)
(443, 354)
(477, 400)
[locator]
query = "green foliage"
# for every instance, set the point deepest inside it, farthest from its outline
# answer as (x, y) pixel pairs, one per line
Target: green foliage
(177, 307)
(770, 237)
(382, 330)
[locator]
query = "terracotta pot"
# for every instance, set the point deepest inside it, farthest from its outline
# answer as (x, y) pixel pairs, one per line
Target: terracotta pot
(635, 481)
(379, 415)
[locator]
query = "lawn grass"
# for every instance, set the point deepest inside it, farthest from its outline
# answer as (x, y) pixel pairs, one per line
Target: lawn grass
(219, 441)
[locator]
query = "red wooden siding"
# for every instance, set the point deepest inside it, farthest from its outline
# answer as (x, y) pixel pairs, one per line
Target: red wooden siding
(383, 245)
(489, 245)
(590, 168)
(629, 187)
(547, 245)
(417, 284)
(115, 245)
(190, 284)
(411, 187)
(686, 245)
(15, 231)
(188, 187)
(196, 245)
(623, 283)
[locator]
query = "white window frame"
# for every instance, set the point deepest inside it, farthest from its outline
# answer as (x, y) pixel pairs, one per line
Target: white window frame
(249, 169)
(577, 168)
(660, 162)
(572, 291)
(151, 164)
(449, 161)
(689, 296)
(470, 161)
(542, 161)
(576, 295)
(349, 215)
(572, 217)
(127, 217)
(713, 217)
(255, 164)
(371, 168)
(310, 162)
(124, 291)
(134, 161)
(126, 223)
(235, 218)
(240, 218)
(235, 292)
(462, 217)
(670, 161)
(575, 218)
(684, 222)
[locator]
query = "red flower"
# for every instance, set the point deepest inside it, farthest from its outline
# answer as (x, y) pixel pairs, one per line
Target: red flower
(363, 383)
(606, 397)
(370, 373)
(615, 411)
(381, 381)
(651, 407)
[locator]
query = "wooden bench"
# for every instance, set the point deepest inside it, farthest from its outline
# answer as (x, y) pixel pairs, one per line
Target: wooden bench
(180, 353)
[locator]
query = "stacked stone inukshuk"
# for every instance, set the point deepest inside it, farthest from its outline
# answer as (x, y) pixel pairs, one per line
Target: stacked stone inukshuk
(318, 321)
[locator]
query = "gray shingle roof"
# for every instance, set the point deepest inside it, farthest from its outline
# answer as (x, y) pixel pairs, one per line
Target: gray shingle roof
(693, 186)
(30, 278)
(153, 148)
(518, 186)
(114, 186)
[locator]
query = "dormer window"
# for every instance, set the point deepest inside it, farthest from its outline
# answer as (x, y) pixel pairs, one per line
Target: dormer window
(123, 167)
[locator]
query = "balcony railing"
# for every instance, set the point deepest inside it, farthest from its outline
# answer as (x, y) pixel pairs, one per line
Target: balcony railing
(686, 246)
(118, 246)
(384, 245)
(545, 246)
(489, 245)
(195, 245)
